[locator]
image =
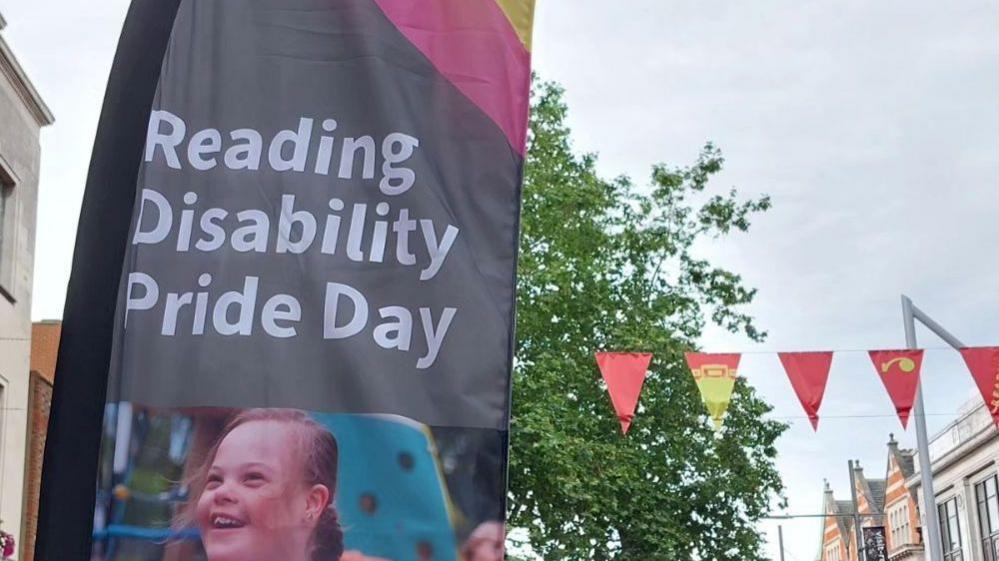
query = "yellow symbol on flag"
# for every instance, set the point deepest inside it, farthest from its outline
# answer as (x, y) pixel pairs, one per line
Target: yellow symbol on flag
(716, 383)
(905, 364)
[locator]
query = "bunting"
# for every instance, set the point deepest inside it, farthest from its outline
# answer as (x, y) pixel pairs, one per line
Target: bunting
(625, 375)
(808, 373)
(983, 362)
(715, 377)
(899, 371)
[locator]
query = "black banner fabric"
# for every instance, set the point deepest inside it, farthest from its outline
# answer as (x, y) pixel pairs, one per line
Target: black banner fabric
(295, 279)
(876, 543)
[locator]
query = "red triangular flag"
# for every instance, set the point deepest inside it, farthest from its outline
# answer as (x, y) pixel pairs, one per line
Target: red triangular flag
(899, 371)
(983, 362)
(808, 373)
(624, 374)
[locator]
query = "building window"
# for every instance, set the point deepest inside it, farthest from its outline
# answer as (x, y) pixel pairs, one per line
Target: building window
(7, 232)
(898, 519)
(987, 497)
(950, 530)
(832, 552)
(5, 189)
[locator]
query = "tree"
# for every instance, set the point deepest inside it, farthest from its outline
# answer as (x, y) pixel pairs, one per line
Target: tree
(606, 265)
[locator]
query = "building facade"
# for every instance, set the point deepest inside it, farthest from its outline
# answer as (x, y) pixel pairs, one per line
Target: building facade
(839, 542)
(905, 537)
(966, 485)
(887, 502)
(965, 470)
(22, 115)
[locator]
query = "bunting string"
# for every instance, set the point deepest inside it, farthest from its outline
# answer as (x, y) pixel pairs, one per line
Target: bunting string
(841, 351)
(715, 375)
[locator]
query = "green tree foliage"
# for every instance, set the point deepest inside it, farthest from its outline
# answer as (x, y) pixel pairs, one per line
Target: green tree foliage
(606, 265)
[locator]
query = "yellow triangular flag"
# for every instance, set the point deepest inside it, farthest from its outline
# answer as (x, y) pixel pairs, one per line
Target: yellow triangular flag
(715, 377)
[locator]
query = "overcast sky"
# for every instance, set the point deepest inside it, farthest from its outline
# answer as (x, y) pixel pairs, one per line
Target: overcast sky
(873, 125)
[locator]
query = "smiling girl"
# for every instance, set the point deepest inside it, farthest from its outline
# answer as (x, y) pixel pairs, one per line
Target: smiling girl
(266, 491)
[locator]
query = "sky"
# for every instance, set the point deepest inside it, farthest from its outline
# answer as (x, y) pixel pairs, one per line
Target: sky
(872, 125)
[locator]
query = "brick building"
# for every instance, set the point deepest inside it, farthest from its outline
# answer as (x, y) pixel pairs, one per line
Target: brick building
(44, 350)
(965, 471)
(838, 534)
(901, 513)
(886, 502)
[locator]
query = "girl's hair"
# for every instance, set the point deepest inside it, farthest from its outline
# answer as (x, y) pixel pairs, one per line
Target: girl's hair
(320, 457)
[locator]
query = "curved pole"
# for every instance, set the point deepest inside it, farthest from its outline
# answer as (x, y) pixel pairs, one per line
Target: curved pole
(931, 525)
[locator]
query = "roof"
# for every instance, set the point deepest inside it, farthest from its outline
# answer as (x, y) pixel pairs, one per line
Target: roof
(845, 522)
(878, 487)
(844, 507)
(906, 462)
(3, 22)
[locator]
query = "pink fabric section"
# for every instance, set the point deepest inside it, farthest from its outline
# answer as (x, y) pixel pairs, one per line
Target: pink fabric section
(472, 43)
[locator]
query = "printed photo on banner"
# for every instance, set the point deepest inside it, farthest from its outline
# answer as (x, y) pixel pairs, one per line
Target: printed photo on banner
(207, 484)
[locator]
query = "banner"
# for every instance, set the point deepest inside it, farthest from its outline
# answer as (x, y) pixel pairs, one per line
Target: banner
(625, 375)
(289, 327)
(876, 543)
(715, 376)
(899, 371)
(808, 373)
(983, 363)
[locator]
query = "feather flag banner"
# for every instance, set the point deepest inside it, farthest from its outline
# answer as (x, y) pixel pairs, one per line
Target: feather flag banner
(624, 374)
(300, 227)
(715, 375)
(899, 371)
(808, 373)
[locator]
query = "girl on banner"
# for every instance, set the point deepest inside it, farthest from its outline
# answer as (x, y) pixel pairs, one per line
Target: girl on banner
(266, 491)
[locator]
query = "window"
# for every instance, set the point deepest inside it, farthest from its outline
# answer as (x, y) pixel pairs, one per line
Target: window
(5, 188)
(898, 519)
(7, 231)
(950, 530)
(832, 552)
(987, 497)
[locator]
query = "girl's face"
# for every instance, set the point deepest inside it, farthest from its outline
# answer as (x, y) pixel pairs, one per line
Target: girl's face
(255, 504)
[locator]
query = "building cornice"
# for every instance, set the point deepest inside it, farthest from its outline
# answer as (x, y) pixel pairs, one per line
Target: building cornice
(965, 449)
(904, 552)
(10, 68)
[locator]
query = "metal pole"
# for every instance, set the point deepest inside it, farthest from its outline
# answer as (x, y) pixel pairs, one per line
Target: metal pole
(931, 527)
(780, 540)
(861, 554)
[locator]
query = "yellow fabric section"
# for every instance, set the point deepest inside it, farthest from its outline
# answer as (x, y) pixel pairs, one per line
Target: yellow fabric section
(716, 383)
(521, 15)
(716, 394)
